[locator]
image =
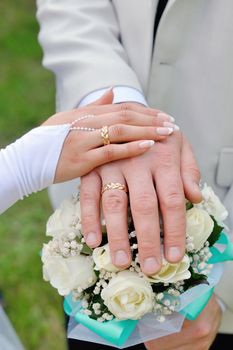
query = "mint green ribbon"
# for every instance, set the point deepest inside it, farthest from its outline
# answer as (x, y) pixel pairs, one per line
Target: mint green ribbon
(117, 332)
(226, 255)
(195, 308)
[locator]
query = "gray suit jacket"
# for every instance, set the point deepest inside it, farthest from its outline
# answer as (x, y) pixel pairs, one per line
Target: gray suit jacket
(189, 74)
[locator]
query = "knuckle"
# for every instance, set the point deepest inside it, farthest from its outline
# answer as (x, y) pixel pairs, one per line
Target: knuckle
(173, 200)
(175, 237)
(146, 248)
(145, 204)
(116, 242)
(88, 220)
(125, 116)
(202, 331)
(117, 130)
(108, 153)
(89, 198)
(195, 172)
(125, 106)
(166, 157)
(114, 202)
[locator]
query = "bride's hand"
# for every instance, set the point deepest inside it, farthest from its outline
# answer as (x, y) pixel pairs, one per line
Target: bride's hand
(82, 150)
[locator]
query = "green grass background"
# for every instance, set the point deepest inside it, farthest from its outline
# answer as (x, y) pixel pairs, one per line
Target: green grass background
(26, 98)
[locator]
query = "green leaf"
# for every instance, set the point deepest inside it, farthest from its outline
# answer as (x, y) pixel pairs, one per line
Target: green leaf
(189, 205)
(104, 239)
(197, 276)
(159, 287)
(97, 273)
(215, 233)
(86, 250)
(195, 279)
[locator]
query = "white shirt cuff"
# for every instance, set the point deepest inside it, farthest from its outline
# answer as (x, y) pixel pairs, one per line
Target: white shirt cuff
(121, 94)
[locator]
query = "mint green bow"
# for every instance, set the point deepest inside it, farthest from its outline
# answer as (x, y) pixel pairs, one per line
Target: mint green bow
(117, 332)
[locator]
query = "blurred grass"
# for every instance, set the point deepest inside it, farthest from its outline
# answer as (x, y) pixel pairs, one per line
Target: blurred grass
(26, 98)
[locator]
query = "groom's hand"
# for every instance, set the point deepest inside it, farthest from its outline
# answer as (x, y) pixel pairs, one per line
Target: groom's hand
(195, 335)
(157, 181)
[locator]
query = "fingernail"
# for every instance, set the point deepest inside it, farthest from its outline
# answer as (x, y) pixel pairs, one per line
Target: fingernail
(171, 125)
(167, 116)
(121, 258)
(150, 265)
(91, 239)
(172, 119)
(164, 131)
(174, 254)
(146, 144)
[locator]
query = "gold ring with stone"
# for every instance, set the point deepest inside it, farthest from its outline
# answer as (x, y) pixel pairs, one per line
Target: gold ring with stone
(114, 186)
(105, 135)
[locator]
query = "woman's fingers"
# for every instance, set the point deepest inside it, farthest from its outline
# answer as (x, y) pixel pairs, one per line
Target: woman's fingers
(123, 108)
(106, 154)
(127, 118)
(125, 133)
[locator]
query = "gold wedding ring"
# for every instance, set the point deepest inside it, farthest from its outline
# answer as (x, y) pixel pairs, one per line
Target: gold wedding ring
(114, 186)
(105, 135)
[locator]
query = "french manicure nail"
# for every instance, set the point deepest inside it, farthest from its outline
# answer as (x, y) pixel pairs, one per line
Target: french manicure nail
(172, 119)
(167, 116)
(91, 239)
(150, 265)
(174, 254)
(146, 144)
(171, 125)
(121, 258)
(164, 131)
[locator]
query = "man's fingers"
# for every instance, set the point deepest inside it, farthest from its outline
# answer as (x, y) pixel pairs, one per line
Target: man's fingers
(190, 173)
(90, 204)
(115, 204)
(144, 207)
(170, 193)
(109, 153)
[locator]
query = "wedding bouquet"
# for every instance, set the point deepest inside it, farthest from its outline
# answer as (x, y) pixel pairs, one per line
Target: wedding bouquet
(97, 292)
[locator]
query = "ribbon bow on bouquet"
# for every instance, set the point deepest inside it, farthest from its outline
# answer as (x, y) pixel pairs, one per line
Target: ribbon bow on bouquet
(124, 308)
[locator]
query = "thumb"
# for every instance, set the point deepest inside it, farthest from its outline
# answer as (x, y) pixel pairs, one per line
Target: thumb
(106, 99)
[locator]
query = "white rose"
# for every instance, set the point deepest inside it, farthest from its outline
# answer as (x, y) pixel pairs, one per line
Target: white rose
(172, 273)
(66, 218)
(128, 296)
(199, 226)
(212, 204)
(67, 274)
(102, 259)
